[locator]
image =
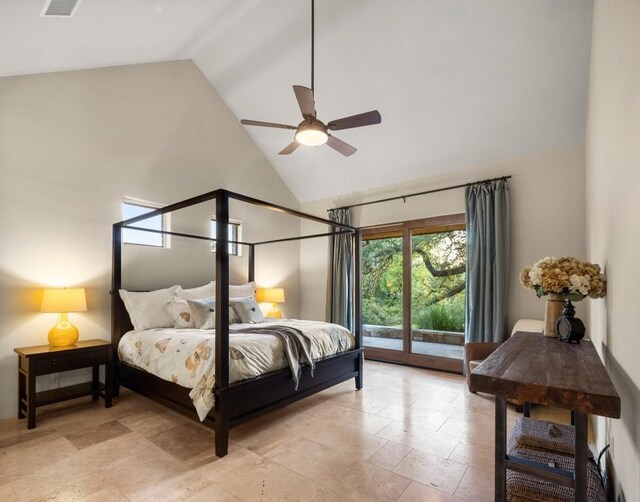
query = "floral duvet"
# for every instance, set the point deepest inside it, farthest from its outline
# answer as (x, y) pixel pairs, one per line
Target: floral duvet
(186, 356)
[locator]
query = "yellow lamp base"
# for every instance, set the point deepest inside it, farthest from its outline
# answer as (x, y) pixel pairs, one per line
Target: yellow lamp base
(274, 313)
(63, 333)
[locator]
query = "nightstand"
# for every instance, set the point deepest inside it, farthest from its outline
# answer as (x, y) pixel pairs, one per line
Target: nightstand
(44, 360)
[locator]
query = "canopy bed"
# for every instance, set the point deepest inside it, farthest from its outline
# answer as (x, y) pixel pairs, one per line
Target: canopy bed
(241, 397)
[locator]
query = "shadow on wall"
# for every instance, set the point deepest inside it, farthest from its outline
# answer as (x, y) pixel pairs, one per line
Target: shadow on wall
(629, 395)
(630, 399)
(610, 471)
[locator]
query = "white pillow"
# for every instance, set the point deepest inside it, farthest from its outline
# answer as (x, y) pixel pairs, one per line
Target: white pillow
(209, 290)
(149, 310)
(243, 291)
(247, 310)
(181, 313)
(206, 291)
(204, 313)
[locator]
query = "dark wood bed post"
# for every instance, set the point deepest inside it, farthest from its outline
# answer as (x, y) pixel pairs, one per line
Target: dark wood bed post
(251, 272)
(357, 298)
(116, 286)
(221, 409)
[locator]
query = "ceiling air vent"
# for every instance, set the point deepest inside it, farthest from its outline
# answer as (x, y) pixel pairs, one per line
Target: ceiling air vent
(60, 8)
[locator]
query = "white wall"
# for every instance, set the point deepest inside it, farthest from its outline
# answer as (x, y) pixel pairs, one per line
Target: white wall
(72, 145)
(613, 188)
(547, 210)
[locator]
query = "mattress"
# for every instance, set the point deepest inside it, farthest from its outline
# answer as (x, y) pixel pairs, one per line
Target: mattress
(186, 356)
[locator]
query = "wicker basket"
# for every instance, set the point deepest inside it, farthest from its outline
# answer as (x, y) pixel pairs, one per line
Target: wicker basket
(525, 488)
(540, 435)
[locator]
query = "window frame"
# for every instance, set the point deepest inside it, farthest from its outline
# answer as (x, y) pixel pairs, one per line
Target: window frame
(234, 249)
(165, 220)
(405, 230)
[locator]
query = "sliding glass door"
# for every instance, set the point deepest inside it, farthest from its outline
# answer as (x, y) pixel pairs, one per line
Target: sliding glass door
(382, 291)
(413, 281)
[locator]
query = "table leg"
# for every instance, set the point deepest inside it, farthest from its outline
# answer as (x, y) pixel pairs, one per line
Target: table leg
(501, 449)
(95, 382)
(31, 395)
(582, 465)
(22, 394)
(108, 379)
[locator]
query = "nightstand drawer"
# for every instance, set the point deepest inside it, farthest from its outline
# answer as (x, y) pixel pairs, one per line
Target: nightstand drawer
(53, 364)
(89, 358)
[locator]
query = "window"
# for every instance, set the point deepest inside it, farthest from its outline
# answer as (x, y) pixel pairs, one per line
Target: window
(235, 234)
(131, 209)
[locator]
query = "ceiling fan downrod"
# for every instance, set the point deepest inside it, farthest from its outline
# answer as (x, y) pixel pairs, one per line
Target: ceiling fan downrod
(313, 30)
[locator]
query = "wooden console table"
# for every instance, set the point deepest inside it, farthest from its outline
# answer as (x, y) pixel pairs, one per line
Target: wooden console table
(538, 369)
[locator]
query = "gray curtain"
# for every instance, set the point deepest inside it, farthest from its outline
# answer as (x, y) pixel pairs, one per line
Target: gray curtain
(340, 285)
(488, 223)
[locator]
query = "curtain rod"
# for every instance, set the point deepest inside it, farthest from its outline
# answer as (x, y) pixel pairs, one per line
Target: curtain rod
(404, 197)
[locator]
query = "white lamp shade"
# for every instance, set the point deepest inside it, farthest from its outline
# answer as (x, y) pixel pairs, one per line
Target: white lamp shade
(63, 300)
(271, 295)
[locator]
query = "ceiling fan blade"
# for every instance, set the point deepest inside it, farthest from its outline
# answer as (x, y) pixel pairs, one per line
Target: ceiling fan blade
(266, 124)
(306, 102)
(360, 120)
(340, 146)
(289, 148)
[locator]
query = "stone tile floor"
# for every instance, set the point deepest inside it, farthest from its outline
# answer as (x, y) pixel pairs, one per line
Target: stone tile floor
(409, 435)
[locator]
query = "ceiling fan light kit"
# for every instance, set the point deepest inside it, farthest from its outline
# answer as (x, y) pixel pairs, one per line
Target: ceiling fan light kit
(312, 131)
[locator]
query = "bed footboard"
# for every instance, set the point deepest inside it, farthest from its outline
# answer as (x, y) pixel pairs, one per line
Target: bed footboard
(244, 400)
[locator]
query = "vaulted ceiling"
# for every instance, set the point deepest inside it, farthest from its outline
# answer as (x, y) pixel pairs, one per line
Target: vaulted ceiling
(459, 83)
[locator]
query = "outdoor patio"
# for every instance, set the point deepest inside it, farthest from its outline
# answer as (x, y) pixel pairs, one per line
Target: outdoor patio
(428, 348)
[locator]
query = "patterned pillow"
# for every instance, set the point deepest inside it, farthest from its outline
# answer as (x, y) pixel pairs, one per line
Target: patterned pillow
(181, 313)
(204, 313)
(247, 310)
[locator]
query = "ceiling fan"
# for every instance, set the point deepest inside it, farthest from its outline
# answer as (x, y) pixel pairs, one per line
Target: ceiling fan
(312, 131)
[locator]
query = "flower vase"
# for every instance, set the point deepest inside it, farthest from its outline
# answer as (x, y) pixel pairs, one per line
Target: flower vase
(552, 312)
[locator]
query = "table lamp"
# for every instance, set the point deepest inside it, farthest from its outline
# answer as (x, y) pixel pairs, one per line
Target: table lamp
(63, 301)
(272, 296)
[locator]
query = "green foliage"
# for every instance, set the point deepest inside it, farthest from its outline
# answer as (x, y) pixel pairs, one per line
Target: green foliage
(382, 282)
(438, 281)
(446, 315)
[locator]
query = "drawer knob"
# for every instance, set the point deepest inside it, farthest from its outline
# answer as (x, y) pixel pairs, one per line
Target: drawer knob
(53, 362)
(91, 356)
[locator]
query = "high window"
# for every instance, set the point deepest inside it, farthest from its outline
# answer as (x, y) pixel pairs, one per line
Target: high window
(132, 208)
(234, 235)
